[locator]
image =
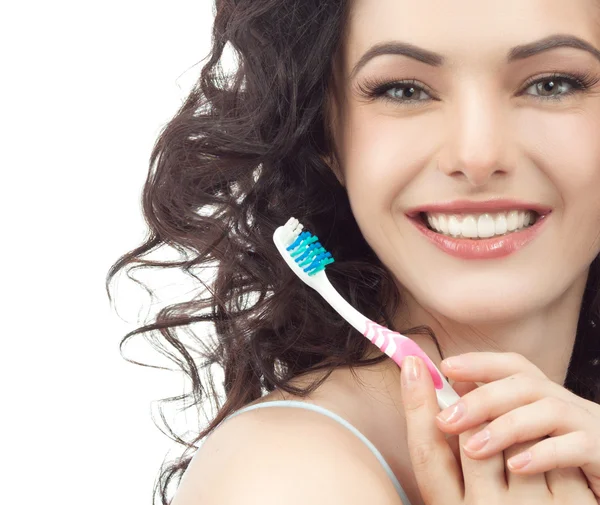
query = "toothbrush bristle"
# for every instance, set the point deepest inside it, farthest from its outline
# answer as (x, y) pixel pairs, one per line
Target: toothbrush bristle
(305, 248)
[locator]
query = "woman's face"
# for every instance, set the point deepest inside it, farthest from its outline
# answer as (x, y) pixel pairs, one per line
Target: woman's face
(479, 142)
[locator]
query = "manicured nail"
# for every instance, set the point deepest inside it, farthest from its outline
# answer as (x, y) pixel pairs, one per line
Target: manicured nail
(453, 363)
(478, 441)
(410, 370)
(519, 461)
(452, 414)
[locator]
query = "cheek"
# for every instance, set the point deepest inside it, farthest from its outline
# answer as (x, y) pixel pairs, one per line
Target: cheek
(573, 153)
(569, 150)
(566, 148)
(383, 154)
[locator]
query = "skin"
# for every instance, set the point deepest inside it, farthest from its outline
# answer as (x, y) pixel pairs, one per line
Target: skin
(474, 131)
(477, 141)
(476, 134)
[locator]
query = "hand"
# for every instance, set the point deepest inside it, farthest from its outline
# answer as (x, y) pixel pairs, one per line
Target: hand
(443, 480)
(523, 404)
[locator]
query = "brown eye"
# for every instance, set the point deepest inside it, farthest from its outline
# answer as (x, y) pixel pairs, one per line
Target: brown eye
(551, 87)
(559, 86)
(405, 93)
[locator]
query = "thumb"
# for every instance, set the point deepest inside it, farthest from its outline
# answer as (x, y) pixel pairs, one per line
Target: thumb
(434, 464)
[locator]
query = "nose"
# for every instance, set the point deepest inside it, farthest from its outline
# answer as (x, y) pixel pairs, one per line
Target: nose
(476, 149)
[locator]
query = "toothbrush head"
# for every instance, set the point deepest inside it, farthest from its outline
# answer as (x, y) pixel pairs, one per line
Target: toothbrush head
(301, 250)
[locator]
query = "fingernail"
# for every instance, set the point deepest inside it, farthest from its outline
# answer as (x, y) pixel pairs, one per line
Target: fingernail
(519, 461)
(452, 414)
(478, 441)
(410, 370)
(453, 363)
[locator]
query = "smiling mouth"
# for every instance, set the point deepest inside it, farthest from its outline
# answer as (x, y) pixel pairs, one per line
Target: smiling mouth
(477, 226)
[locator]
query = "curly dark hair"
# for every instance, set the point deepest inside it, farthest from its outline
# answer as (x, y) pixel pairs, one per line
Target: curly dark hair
(244, 153)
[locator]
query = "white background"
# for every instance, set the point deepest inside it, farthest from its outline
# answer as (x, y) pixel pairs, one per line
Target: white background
(86, 88)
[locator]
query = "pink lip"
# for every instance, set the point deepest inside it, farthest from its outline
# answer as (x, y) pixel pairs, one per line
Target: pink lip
(464, 206)
(488, 248)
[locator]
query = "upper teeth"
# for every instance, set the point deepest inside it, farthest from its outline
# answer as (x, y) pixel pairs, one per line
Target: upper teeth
(480, 225)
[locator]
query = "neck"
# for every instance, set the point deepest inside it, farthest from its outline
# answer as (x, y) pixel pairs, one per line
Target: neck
(545, 337)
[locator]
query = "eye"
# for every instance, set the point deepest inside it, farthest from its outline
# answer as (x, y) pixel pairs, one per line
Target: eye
(407, 92)
(555, 87)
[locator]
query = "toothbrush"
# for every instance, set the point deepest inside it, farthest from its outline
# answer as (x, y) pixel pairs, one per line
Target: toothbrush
(307, 258)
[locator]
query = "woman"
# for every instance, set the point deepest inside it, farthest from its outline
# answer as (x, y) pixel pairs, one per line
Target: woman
(447, 154)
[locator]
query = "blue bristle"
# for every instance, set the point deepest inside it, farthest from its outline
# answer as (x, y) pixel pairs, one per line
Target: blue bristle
(313, 254)
(309, 254)
(304, 245)
(322, 266)
(298, 240)
(309, 250)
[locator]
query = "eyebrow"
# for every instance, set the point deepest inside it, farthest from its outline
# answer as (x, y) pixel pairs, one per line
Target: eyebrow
(436, 60)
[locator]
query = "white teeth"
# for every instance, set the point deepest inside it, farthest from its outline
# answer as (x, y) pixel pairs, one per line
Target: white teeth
(443, 223)
(480, 225)
(485, 226)
(512, 220)
(453, 226)
(469, 227)
(501, 224)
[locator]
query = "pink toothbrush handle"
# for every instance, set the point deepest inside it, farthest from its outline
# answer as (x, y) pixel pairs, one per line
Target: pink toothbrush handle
(397, 347)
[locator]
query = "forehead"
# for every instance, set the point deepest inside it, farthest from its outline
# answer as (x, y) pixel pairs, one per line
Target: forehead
(462, 30)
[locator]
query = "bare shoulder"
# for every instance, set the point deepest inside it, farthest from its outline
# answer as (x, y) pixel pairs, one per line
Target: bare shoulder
(284, 455)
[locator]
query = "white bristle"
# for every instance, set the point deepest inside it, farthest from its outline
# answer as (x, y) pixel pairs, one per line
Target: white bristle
(293, 228)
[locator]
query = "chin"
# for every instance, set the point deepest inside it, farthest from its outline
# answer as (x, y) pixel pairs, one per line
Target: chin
(488, 302)
(475, 311)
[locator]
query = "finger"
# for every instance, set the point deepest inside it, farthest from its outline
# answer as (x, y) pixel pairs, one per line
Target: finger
(482, 478)
(434, 465)
(461, 388)
(490, 401)
(488, 366)
(577, 449)
(526, 486)
(569, 485)
(548, 416)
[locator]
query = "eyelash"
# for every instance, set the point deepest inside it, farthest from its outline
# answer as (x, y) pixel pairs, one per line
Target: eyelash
(374, 89)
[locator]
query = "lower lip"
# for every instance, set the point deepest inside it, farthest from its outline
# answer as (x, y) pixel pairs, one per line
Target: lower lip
(487, 248)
